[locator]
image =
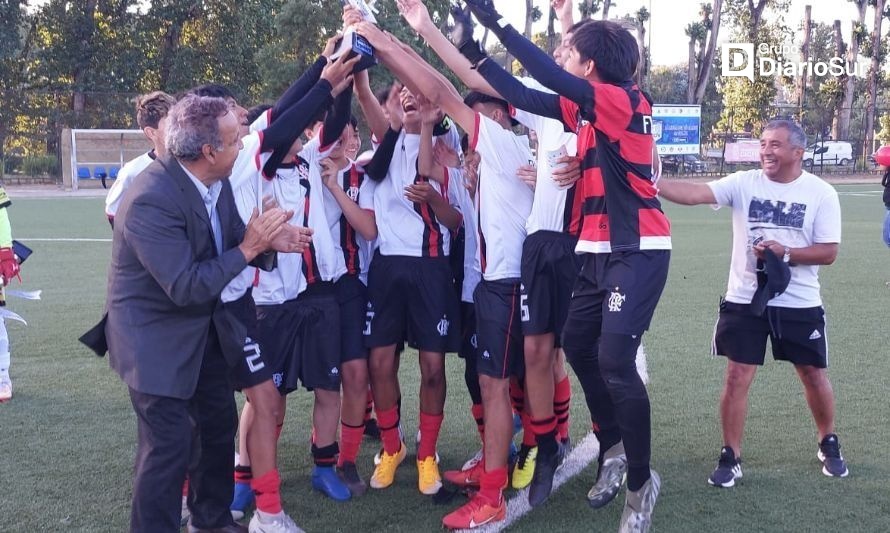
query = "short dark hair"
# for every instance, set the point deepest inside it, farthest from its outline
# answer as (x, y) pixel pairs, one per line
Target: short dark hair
(254, 112)
(475, 97)
(212, 89)
(612, 48)
(578, 24)
(152, 107)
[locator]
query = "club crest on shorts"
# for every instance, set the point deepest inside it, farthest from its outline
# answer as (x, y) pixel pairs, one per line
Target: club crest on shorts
(442, 328)
(616, 299)
(277, 378)
(473, 342)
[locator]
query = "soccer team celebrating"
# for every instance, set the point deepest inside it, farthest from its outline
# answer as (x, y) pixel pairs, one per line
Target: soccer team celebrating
(517, 259)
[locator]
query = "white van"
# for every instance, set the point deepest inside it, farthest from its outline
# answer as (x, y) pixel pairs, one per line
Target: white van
(828, 153)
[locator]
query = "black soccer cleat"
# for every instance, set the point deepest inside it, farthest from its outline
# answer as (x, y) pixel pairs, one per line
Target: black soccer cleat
(729, 469)
(833, 464)
(542, 481)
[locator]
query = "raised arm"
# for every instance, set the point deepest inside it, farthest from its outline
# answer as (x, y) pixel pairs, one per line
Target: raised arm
(337, 118)
(538, 64)
(418, 17)
(564, 14)
(513, 91)
(371, 108)
(361, 219)
(426, 160)
(685, 193)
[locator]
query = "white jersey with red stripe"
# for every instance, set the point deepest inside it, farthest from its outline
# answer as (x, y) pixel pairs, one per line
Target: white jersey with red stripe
(356, 250)
(123, 181)
(404, 227)
(503, 201)
(555, 208)
(472, 271)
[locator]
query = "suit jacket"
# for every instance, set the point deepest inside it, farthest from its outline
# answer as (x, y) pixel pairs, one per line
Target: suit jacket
(165, 282)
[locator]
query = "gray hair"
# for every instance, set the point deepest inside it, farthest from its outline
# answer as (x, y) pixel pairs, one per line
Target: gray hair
(192, 123)
(796, 135)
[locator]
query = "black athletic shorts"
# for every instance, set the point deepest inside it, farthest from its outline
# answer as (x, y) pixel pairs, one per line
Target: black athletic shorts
(615, 293)
(352, 297)
(549, 271)
(500, 353)
(301, 339)
(412, 299)
(796, 335)
(251, 369)
(468, 339)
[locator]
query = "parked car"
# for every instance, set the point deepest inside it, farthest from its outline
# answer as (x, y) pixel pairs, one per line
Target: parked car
(828, 153)
(685, 163)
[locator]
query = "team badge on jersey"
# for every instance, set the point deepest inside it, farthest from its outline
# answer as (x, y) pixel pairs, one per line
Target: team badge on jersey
(352, 193)
(616, 299)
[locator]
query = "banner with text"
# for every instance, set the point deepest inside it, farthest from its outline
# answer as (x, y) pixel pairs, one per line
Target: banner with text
(677, 129)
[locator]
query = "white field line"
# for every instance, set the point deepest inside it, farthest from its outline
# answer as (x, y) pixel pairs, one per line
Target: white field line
(584, 453)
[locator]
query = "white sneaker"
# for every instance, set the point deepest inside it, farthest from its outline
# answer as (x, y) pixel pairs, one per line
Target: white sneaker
(5, 389)
(276, 523)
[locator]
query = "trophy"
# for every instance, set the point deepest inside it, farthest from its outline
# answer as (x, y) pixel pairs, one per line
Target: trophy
(354, 44)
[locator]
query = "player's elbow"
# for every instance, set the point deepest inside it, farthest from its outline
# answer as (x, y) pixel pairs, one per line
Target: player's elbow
(830, 255)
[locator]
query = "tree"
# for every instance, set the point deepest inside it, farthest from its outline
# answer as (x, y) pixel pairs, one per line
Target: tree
(589, 8)
(841, 126)
(13, 46)
(877, 58)
(703, 36)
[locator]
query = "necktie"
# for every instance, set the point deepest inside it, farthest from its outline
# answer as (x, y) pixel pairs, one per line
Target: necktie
(215, 225)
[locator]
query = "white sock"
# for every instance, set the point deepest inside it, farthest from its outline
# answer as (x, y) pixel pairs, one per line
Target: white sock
(4, 365)
(268, 517)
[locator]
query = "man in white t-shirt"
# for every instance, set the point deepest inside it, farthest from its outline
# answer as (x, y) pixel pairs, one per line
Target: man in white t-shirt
(786, 211)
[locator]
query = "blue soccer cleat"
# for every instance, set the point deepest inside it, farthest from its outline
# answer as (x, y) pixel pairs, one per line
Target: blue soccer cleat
(326, 481)
(242, 500)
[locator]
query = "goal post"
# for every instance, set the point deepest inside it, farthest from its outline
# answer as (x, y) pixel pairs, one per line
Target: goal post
(96, 156)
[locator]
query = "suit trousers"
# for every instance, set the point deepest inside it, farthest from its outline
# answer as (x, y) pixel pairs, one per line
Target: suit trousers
(194, 436)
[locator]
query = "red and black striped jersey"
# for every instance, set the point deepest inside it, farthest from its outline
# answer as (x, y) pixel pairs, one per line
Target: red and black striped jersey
(356, 250)
(620, 210)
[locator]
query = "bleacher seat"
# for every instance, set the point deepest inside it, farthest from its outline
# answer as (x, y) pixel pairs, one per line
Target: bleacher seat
(83, 173)
(112, 172)
(99, 172)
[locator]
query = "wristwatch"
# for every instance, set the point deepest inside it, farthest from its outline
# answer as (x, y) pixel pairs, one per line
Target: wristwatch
(787, 257)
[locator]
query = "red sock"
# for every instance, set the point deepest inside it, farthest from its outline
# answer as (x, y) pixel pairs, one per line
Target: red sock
(528, 431)
(388, 420)
(562, 398)
(350, 442)
(429, 435)
(492, 484)
(369, 406)
(266, 487)
(478, 414)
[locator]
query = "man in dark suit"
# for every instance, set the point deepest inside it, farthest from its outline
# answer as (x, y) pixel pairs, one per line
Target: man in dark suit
(178, 242)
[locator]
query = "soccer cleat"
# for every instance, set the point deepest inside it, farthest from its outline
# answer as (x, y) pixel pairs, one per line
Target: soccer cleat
(326, 481)
(428, 479)
(525, 467)
(475, 513)
(611, 475)
(472, 461)
(5, 389)
(349, 475)
(833, 463)
(468, 477)
(276, 523)
(242, 500)
(638, 506)
(729, 469)
(542, 481)
(385, 471)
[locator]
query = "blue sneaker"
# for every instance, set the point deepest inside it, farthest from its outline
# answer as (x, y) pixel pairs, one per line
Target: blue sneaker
(242, 500)
(326, 481)
(514, 455)
(517, 423)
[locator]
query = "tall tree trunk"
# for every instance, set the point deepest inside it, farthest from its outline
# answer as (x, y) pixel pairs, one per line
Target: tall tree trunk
(692, 71)
(842, 124)
(756, 17)
(805, 55)
(529, 8)
(707, 63)
(873, 74)
(606, 5)
(79, 73)
(551, 31)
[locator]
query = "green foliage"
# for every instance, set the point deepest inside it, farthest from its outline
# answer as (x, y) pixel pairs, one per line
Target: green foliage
(667, 85)
(884, 134)
(40, 165)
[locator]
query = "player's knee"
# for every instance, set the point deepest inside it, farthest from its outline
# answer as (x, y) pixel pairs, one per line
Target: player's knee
(617, 356)
(739, 377)
(432, 376)
(354, 376)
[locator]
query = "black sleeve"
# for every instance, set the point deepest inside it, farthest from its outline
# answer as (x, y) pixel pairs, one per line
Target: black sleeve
(541, 67)
(520, 96)
(279, 137)
(378, 167)
(299, 88)
(337, 119)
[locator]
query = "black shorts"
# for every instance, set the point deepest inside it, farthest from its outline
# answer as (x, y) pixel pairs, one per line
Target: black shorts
(412, 299)
(468, 339)
(252, 368)
(352, 297)
(500, 340)
(550, 269)
(301, 340)
(796, 335)
(615, 293)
